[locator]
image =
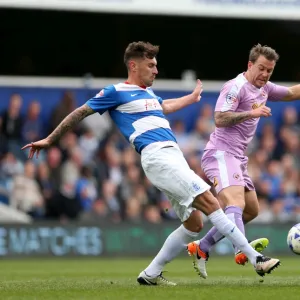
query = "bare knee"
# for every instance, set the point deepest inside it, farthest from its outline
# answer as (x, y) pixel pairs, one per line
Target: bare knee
(233, 196)
(206, 203)
(194, 223)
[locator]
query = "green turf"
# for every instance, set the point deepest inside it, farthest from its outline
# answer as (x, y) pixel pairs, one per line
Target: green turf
(116, 279)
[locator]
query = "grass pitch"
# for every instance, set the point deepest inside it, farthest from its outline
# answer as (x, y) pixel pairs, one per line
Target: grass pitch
(116, 279)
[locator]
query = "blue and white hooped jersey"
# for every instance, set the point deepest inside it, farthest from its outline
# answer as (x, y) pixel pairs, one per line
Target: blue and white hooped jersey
(136, 111)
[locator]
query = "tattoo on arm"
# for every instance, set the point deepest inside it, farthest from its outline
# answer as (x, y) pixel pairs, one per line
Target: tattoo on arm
(230, 118)
(69, 122)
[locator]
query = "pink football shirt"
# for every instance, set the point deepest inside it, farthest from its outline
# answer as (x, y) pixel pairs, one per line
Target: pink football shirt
(239, 95)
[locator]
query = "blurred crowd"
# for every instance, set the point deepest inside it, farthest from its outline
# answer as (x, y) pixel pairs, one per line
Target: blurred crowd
(93, 174)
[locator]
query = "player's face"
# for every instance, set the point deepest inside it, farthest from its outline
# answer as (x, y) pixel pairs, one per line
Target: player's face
(147, 70)
(260, 71)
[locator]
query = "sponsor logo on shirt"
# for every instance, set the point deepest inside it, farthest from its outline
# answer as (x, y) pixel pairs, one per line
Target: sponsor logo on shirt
(151, 104)
(257, 105)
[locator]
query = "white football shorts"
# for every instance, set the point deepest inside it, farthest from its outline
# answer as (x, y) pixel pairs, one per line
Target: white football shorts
(168, 170)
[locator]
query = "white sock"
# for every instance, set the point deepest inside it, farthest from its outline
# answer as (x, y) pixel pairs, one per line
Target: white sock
(175, 243)
(231, 231)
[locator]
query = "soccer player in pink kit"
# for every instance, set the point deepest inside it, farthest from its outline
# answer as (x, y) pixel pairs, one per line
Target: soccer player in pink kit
(240, 105)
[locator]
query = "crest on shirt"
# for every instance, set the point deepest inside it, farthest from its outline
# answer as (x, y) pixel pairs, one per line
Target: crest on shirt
(230, 98)
(236, 176)
(100, 94)
(196, 186)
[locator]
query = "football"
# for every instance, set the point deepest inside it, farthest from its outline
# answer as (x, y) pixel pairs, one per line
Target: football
(293, 239)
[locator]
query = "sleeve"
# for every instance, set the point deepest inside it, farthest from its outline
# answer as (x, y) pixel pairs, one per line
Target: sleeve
(276, 92)
(105, 100)
(228, 99)
(160, 100)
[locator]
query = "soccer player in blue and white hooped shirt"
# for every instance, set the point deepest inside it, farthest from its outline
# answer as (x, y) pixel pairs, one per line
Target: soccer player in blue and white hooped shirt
(140, 116)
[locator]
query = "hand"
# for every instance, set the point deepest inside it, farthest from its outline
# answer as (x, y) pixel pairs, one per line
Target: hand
(197, 91)
(262, 111)
(36, 147)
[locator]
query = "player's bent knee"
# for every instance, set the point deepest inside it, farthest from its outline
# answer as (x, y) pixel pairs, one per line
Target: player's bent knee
(206, 203)
(194, 223)
(233, 196)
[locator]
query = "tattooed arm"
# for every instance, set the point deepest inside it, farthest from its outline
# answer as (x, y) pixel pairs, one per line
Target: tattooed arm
(68, 122)
(231, 118)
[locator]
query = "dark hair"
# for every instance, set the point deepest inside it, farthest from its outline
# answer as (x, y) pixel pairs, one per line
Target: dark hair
(268, 52)
(140, 50)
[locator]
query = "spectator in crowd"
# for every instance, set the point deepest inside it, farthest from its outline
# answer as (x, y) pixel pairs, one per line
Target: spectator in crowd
(88, 143)
(32, 128)
(26, 195)
(66, 105)
(47, 188)
(99, 127)
(11, 125)
(86, 189)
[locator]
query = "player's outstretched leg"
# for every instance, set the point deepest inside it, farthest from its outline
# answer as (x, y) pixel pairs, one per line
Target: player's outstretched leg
(209, 205)
(173, 246)
(200, 257)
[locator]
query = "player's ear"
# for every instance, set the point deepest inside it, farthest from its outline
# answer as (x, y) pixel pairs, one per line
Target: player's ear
(250, 64)
(132, 65)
